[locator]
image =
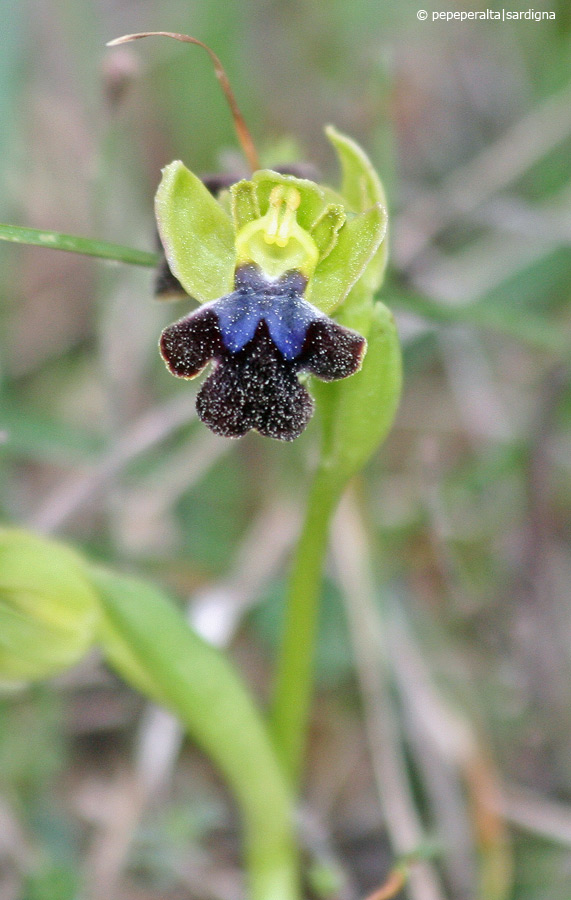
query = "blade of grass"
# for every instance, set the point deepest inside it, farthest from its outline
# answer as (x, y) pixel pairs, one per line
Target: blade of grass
(36, 437)
(529, 329)
(391, 772)
(54, 240)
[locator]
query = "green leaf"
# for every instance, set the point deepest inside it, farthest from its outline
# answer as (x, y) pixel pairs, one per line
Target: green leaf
(361, 188)
(357, 242)
(197, 234)
(54, 240)
(48, 610)
(147, 640)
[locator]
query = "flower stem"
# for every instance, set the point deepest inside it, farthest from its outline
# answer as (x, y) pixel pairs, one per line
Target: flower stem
(292, 696)
(54, 240)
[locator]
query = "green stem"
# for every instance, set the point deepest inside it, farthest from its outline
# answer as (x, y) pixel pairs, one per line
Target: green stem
(54, 240)
(293, 688)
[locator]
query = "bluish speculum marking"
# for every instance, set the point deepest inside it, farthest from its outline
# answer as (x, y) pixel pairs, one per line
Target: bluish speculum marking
(279, 303)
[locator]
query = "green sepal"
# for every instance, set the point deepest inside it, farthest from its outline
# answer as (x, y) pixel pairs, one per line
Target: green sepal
(196, 233)
(325, 230)
(357, 413)
(48, 609)
(357, 242)
(361, 187)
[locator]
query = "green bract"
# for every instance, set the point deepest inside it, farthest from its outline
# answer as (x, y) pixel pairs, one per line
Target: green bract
(357, 414)
(280, 223)
(48, 609)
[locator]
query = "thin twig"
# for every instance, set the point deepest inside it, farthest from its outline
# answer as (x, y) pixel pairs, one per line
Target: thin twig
(394, 883)
(449, 733)
(242, 131)
(536, 814)
(468, 186)
(402, 820)
(145, 507)
(154, 426)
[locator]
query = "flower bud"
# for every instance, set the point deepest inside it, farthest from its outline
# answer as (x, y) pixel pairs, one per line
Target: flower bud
(48, 609)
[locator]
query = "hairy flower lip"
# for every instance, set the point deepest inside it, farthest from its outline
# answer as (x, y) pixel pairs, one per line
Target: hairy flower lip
(260, 337)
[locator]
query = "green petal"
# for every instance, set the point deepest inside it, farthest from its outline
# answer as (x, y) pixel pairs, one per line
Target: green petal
(325, 230)
(245, 206)
(361, 187)
(357, 243)
(197, 235)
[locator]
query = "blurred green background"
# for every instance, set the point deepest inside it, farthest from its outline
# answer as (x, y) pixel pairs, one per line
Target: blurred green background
(463, 518)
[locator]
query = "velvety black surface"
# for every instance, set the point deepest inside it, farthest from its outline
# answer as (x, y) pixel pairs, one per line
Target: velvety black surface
(255, 388)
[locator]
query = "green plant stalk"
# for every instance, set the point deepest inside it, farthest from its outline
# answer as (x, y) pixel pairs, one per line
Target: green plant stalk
(293, 688)
(356, 416)
(71, 243)
(147, 640)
